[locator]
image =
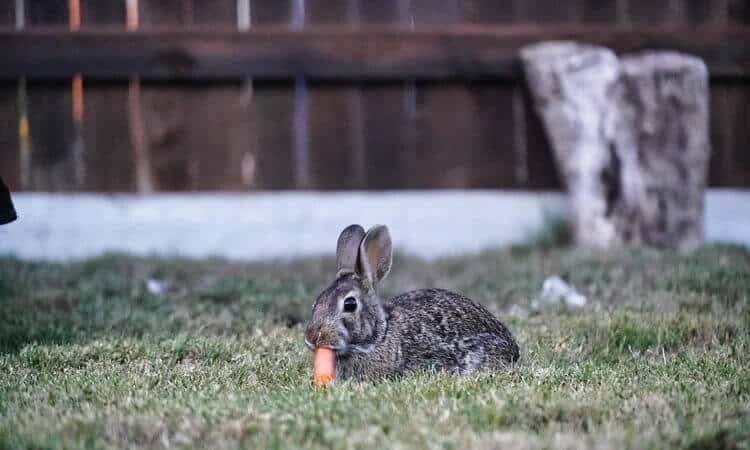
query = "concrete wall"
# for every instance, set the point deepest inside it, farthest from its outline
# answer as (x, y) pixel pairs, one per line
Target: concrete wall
(290, 224)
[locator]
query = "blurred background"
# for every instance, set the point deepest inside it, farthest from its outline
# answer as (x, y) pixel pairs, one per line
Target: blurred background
(138, 97)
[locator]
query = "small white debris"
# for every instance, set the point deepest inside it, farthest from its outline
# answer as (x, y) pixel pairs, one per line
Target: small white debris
(556, 291)
(517, 311)
(155, 287)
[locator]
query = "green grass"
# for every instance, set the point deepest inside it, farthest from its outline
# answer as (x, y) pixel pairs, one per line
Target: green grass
(659, 358)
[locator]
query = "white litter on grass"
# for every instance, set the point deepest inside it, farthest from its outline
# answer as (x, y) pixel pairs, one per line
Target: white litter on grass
(555, 291)
(517, 311)
(155, 287)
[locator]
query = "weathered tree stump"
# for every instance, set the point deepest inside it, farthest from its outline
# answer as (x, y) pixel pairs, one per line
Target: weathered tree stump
(630, 139)
(663, 147)
(572, 85)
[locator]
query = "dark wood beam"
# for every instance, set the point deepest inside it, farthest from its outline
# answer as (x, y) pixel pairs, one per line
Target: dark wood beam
(369, 53)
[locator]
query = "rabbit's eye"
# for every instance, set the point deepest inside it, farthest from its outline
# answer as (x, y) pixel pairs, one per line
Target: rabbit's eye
(350, 304)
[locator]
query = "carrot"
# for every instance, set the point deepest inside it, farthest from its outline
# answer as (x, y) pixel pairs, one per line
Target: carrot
(323, 362)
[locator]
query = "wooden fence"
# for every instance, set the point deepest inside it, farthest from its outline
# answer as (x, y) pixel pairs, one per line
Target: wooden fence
(171, 95)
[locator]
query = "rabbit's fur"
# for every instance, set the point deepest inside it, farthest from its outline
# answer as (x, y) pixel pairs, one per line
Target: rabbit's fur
(424, 329)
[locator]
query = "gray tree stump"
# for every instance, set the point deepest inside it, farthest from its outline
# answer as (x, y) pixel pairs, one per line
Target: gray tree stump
(663, 147)
(572, 85)
(630, 139)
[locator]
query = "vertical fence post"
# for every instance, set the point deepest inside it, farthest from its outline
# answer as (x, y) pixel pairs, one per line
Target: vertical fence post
(301, 123)
(521, 166)
(131, 15)
(248, 163)
(354, 107)
(187, 13)
(676, 13)
(20, 14)
(24, 136)
(623, 14)
(243, 15)
(74, 24)
(406, 15)
(141, 158)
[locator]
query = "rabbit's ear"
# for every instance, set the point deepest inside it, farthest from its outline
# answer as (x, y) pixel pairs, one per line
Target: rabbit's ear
(376, 254)
(347, 249)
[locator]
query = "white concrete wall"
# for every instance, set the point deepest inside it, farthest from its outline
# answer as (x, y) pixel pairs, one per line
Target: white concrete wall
(279, 225)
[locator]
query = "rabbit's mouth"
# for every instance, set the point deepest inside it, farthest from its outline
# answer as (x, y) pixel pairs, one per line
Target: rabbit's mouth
(335, 338)
(342, 348)
(339, 347)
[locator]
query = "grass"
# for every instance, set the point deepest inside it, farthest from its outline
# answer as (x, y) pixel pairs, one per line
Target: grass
(89, 358)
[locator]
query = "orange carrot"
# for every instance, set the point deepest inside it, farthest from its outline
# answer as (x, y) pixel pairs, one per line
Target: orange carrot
(323, 362)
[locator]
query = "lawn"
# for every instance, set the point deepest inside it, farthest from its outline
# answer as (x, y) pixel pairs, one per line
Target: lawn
(124, 352)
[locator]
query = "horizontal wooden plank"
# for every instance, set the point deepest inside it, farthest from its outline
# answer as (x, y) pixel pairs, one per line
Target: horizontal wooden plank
(331, 53)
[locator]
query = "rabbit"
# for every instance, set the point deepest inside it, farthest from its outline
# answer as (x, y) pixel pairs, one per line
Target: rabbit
(428, 329)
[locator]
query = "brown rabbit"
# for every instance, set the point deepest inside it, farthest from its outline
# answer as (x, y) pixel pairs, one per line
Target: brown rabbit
(424, 329)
